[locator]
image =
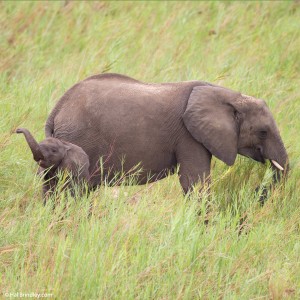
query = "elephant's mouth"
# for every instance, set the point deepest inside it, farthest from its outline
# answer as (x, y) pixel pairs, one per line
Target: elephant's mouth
(47, 164)
(255, 153)
(261, 158)
(42, 164)
(258, 154)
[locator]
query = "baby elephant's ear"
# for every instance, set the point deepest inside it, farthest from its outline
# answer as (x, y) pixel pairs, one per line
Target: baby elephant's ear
(210, 117)
(67, 145)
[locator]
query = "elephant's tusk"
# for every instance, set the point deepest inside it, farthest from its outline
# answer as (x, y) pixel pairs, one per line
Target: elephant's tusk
(277, 165)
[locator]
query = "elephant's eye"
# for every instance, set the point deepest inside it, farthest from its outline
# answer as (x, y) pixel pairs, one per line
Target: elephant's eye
(262, 134)
(54, 151)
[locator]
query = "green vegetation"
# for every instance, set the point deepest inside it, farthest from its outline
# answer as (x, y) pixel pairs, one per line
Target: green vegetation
(148, 242)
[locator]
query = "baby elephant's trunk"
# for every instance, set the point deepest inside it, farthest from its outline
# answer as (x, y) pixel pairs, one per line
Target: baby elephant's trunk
(34, 146)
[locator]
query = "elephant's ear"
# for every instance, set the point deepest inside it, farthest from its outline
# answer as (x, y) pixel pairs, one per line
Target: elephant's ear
(67, 145)
(211, 118)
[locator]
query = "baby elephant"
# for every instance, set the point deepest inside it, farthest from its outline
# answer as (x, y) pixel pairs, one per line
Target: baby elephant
(53, 156)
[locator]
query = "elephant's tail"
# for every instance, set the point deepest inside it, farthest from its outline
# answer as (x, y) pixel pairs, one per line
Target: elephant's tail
(49, 127)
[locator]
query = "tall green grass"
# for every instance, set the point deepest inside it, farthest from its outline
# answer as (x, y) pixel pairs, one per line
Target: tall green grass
(149, 242)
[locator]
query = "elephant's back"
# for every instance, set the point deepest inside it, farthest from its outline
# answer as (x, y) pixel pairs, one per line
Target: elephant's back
(115, 107)
(111, 77)
(115, 89)
(109, 100)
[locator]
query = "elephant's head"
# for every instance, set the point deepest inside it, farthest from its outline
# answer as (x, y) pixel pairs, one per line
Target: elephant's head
(48, 153)
(228, 123)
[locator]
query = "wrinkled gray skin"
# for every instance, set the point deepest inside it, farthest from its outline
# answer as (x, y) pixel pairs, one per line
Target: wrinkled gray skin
(161, 125)
(54, 155)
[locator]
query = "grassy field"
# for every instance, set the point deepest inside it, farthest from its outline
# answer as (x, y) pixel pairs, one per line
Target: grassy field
(148, 242)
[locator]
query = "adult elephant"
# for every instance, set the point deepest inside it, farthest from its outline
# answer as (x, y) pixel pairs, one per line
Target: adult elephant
(126, 122)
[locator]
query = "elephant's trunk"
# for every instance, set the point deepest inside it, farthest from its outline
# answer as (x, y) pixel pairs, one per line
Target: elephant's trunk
(34, 146)
(279, 171)
(280, 165)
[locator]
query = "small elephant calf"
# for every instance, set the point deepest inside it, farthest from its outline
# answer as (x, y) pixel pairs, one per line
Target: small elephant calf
(53, 156)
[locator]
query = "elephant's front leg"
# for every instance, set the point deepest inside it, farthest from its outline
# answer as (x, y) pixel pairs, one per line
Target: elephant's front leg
(49, 183)
(194, 163)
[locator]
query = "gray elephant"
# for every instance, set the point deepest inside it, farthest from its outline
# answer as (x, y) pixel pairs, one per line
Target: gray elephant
(53, 156)
(126, 122)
